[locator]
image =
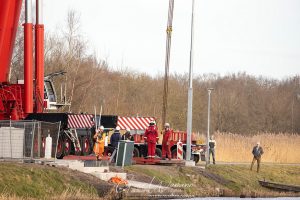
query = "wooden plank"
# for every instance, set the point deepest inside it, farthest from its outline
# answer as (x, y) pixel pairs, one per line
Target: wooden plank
(280, 186)
(170, 162)
(144, 161)
(74, 157)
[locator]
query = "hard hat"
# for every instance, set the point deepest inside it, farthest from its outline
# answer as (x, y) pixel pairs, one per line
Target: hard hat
(128, 129)
(101, 127)
(167, 125)
(118, 128)
(152, 123)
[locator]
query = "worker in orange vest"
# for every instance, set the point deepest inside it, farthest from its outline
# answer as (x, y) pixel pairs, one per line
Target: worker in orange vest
(166, 146)
(151, 137)
(99, 144)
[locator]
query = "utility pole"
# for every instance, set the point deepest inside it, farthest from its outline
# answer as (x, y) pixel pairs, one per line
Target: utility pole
(190, 93)
(167, 62)
(208, 126)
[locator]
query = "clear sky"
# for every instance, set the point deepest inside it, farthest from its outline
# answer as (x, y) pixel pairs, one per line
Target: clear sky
(260, 37)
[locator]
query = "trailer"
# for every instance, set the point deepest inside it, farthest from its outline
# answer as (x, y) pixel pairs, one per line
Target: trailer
(138, 125)
(197, 151)
(77, 130)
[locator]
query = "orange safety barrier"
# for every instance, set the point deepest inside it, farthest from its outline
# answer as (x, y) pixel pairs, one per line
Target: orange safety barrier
(118, 180)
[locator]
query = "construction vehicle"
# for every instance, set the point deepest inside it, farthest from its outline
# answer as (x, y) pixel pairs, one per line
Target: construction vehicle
(77, 130)
(31, 95)
(29, 99)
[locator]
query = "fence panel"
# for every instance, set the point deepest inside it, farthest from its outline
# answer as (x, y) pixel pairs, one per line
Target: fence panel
(26, 139)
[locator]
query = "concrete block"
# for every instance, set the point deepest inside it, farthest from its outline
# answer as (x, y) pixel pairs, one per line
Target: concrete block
(190, 163)
(106, 176)
(61, 163)
(96, 163)
(90, 170)
(143, 185)
(76, 165)
(12, 142)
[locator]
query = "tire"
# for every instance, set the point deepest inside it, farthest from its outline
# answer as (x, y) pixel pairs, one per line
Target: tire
(60, 149)
(196, 158)
(144, 150)
(108, 151)
(67, 146)
(136, 152)
(174, 154)
(202, 157)
(158, 152)
(77, 151)
(85, 146)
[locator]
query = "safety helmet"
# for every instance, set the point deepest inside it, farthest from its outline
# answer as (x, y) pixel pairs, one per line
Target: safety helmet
(101, 127)
(118, 128)
(152, 123)
(128, 129)
(167, 125)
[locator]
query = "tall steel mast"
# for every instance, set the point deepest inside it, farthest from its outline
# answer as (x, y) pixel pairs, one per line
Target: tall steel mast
(167, 62)
(190, 93)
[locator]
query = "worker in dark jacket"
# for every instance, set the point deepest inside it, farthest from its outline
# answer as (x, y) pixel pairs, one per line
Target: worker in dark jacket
(127, 135)
(212, 146)
(115, 137)
(151, 137)
(257, 152)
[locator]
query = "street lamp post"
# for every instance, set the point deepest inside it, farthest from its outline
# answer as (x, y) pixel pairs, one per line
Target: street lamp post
(190, 92)
(209, 90)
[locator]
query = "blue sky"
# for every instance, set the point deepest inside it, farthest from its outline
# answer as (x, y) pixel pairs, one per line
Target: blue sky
(260, 37)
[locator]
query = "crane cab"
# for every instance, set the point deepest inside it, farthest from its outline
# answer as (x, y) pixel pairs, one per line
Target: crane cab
(50, 97)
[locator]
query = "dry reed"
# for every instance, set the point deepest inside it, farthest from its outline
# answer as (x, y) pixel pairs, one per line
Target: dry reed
(278, 148)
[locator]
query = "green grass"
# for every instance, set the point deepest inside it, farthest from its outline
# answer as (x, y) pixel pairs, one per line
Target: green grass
(244, 180)
(240, 179)
(33, 181)
(42, 182)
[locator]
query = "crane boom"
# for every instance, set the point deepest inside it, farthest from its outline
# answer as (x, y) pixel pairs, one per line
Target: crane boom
(167, 61)
(18, 100)
(9, 18)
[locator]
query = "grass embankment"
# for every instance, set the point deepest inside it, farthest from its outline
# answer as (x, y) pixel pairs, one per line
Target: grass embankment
(216, 180)
(22, 181)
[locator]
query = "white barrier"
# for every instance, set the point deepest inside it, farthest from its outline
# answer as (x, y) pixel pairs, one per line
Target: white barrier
(179, 150)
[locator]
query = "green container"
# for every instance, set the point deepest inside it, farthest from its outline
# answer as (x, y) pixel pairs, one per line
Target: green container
(124, 153)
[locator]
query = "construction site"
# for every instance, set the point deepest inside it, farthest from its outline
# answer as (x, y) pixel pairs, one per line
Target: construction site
(48, 151)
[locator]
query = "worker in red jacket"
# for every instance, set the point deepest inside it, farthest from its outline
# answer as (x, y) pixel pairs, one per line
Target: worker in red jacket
(166, 146)
(151, 137)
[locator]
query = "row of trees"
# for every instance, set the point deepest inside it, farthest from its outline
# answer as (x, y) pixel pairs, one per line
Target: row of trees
(240, 103)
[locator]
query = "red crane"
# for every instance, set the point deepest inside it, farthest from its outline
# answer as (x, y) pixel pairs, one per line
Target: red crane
(18, 100)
